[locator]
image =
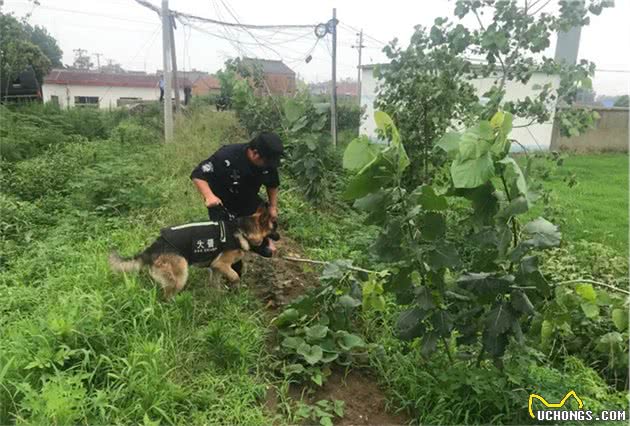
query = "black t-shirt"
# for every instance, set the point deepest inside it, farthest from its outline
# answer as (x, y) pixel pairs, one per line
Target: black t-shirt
(234, 179)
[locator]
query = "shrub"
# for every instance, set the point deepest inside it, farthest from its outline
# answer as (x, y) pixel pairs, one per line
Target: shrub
(132, 133)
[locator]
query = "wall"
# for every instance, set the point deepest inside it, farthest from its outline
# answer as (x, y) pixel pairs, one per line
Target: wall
(280, 84)
(534, 137)
(610, 134)
(108, 95)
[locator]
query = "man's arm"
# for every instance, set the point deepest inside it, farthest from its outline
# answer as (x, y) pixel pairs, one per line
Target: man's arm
(272, 195)
(200, 176)
(208, 196)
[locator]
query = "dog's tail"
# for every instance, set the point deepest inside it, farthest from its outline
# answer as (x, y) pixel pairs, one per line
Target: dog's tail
(125, 264)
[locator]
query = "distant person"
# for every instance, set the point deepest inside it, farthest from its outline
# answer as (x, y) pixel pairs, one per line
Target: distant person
(161, 85)
(187, 94)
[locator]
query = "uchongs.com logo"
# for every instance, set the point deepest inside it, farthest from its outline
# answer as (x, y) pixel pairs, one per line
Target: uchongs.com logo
(554, 412)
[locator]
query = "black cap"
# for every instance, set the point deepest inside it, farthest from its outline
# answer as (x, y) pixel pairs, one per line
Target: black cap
(269, 146)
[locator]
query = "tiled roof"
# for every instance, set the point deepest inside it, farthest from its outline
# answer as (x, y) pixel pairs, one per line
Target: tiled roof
(95, 78)
(269, 66)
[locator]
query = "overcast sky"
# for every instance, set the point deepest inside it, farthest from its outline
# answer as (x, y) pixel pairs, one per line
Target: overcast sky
(130, 34)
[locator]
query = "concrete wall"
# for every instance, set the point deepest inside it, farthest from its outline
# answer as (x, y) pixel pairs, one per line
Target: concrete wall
(108, 95)
(610, 134)
(534, 137)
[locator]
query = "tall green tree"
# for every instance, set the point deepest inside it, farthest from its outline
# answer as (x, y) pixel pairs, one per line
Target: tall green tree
(17, 51)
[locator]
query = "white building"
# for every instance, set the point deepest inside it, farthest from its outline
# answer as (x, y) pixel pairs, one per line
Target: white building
(70, 88)
(535, 137)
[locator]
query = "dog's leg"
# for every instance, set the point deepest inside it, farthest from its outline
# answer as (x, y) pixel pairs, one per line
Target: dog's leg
(224, 262)
(164, 271)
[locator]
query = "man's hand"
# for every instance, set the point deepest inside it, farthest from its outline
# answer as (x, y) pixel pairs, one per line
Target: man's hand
(213, 200)
(273, 212)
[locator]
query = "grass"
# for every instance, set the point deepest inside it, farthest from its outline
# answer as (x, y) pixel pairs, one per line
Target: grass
(80, 344)
(596, 209)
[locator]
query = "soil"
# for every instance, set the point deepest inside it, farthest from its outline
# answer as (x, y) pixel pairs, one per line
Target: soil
(277, 281)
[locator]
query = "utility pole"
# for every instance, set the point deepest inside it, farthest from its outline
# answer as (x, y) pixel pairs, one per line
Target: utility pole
(98, 60)
(359, 47)
(174, 63)
(333, 104)
(168, 91)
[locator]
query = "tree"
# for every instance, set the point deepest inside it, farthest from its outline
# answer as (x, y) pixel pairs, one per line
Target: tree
(482, 278)
(622, 101)
(425, 88)
(47, 43)
(17, 51)
(82, 60)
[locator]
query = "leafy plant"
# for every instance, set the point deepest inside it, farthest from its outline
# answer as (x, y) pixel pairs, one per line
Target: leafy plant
(484, 308)
(322, 411)
(313, 329)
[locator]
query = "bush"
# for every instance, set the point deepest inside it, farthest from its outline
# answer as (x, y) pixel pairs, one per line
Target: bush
(349, 115)
(132, 133)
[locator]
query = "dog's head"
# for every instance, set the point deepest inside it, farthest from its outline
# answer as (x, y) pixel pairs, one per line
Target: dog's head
(257, 226)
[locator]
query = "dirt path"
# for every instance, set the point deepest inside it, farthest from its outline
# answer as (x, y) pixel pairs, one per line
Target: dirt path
(277, 282)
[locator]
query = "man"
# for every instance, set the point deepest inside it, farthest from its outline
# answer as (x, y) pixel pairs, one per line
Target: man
(161, 85)
(230, 179)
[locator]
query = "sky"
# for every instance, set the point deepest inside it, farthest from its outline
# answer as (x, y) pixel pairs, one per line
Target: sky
(130, 34)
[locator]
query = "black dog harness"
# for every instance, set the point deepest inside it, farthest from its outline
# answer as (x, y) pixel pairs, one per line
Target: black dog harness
(201, 242)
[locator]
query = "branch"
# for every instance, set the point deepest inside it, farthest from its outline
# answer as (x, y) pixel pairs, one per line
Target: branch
(540, 8)
(596, 283)
(321, 262)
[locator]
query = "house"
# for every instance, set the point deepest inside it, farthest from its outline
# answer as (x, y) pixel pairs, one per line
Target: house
(208, 85)
(536, 136)
(278, 77)
(70, 88)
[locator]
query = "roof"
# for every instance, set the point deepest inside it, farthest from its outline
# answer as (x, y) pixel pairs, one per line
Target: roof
(210, 82)
(269, 66)
(95, 78)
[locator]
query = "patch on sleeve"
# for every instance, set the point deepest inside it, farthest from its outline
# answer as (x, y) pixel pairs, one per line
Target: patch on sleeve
(207, 168)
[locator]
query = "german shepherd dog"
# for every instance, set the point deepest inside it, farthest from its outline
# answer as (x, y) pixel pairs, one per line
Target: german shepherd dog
(217, 245)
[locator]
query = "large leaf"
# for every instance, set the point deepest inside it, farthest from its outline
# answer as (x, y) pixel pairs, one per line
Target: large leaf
(586, 291)
(529, 275)
(517, 206)
(292, 342)
(425, 196)
(543, 234)
(620, 319)
(486, 285)
(591, 310)
(433, 226)
(484, 202)
(449, 143)
(348, 341)
(429, 344)
(409, 324)
(499, 320)
(376, 205)
(521, 303)
(385, 123)
(514, 177)
(316, 332)
(476, 141)
(424, 298)
(289, 316)
(472, 173)
(312, 354)
(359, 153)
(293, 110)
(443, 255)
(442, 323)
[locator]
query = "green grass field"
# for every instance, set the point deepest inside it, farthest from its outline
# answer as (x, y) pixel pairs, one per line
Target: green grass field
(596, 209)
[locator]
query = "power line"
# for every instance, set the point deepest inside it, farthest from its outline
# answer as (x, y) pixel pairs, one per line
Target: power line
(353, 29)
